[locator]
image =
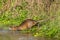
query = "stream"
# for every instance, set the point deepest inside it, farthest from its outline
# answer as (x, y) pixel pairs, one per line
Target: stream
(13, 35)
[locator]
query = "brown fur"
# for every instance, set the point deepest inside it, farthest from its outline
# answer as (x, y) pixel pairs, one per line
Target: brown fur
(25, 25)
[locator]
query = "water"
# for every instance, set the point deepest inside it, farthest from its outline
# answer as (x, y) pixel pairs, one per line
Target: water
(14, 35)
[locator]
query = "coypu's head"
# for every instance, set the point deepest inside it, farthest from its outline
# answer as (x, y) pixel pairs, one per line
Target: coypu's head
(33, 22)
(13, 28)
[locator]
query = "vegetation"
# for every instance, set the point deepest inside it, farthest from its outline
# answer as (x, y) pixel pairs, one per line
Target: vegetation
(17, 12)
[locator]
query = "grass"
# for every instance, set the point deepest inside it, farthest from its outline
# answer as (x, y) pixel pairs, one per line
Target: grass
(16, 16)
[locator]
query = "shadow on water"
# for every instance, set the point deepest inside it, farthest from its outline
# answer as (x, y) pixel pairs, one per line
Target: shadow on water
(14, 35)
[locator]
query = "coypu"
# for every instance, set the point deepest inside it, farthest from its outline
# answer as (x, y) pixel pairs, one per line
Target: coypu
(25, 25)
(28, 23)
